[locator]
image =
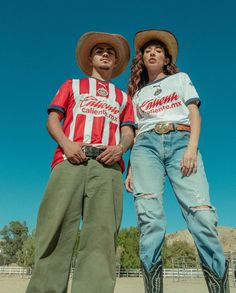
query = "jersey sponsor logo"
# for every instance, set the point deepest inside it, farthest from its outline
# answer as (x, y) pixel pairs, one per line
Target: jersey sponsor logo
(160, 104)
(153, 103)
(98, 107)
(91, 101)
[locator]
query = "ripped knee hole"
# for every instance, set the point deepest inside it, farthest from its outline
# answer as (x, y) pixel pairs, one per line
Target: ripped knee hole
(146, 195)
(202, 208)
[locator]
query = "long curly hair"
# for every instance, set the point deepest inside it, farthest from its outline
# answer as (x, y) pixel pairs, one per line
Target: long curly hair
(139, 75)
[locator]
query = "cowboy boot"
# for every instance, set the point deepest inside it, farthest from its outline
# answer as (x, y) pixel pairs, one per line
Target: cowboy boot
(153, 280)
(214, 283)
(145, 279)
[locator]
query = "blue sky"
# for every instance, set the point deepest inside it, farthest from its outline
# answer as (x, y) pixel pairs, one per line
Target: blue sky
(37, 54)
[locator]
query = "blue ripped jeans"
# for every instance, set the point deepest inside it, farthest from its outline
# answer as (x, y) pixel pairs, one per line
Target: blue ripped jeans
(152, 158)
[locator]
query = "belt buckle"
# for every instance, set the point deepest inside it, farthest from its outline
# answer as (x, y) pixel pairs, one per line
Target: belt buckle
(88, 151)
(162, 128)
(91, 151)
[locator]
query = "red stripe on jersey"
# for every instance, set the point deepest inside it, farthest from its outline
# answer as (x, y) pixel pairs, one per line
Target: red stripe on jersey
(97, 129)
(119, 96)
(79, 127)
(102, 89)
(122, 165)
(84, 86)
(69, 118)
(112, 134)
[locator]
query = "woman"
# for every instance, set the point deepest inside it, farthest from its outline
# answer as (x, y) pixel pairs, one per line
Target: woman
(168, 128)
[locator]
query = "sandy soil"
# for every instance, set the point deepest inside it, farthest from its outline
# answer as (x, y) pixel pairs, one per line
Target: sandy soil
(12, 284)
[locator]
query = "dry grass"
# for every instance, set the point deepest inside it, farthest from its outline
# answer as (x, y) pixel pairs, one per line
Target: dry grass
(123, 285)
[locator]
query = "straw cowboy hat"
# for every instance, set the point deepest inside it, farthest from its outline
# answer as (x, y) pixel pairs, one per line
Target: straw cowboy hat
(166, 37)
(91, 39)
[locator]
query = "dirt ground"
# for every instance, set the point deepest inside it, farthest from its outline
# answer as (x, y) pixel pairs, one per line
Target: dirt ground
(10, 284)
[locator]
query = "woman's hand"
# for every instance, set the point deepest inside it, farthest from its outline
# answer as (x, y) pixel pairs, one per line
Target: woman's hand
(128, 182)
(188, 163)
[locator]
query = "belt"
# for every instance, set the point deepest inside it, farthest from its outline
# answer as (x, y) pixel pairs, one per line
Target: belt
(162, 128)
(91, 151)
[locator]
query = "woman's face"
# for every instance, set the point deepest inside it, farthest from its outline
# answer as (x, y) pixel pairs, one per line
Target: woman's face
(154, 57)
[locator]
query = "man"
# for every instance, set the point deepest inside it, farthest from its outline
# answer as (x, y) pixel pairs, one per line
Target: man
(86, 179)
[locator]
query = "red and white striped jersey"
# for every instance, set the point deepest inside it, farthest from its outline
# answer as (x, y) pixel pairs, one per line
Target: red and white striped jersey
(93, 110)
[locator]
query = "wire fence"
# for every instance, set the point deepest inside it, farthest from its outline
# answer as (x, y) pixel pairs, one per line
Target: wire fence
(182, 268)
(176, 273)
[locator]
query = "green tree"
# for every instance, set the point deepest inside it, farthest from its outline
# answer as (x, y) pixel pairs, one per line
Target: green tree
(181, 250)
(128, 247)
(2, 256)
(25, 256)
(14, 234)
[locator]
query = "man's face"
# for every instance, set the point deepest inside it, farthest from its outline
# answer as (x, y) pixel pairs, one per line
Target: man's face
(103, 57)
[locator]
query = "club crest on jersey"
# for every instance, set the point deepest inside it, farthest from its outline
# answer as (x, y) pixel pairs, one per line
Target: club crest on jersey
(158, 91)
(102, 92)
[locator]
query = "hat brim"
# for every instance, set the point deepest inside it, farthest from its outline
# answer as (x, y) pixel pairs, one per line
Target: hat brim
(91, 39)
(166, 37)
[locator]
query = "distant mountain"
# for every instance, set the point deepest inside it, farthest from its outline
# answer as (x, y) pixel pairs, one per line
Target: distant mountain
(227, 237)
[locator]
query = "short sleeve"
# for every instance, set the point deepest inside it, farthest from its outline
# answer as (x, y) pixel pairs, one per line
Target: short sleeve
(190, 94)
(136, 119)
(127, 115)
(61, 100)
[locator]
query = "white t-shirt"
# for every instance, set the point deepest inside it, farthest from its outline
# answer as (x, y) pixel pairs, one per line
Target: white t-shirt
(164, 100)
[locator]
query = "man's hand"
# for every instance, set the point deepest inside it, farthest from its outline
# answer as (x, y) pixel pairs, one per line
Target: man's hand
(111, 155)
(71, 149)
(73, 152)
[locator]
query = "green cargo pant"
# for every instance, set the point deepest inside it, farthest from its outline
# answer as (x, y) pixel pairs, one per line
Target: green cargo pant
(92, 191)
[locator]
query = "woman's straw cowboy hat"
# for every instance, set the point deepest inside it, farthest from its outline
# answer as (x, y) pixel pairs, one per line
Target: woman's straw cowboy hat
(166, 37)
(91, 39)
